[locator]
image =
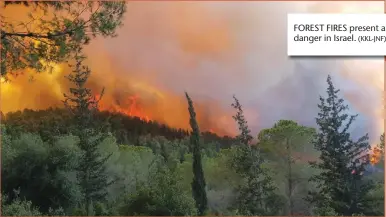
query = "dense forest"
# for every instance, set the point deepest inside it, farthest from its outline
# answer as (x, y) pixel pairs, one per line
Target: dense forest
(78, 160)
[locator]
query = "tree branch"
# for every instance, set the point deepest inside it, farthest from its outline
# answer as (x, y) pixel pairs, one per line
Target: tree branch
(34, 35)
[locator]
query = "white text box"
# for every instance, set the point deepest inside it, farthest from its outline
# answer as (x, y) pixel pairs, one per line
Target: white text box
(336, 35)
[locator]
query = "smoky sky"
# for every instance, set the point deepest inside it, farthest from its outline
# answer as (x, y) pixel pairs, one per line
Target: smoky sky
(216, 49)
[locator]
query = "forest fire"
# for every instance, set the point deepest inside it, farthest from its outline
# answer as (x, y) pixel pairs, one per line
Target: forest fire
(46, 90)
(129, 107)
(142, 85)
(127, 90)
(123, 94)
(147, 68)
(376, 156)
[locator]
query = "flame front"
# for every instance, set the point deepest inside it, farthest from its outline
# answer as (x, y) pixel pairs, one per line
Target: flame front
(129, 107)
(215, 51)
(140, 100)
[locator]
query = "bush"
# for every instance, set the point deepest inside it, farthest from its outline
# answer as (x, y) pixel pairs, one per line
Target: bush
(44, 172)
(18, 207)
(162, 195)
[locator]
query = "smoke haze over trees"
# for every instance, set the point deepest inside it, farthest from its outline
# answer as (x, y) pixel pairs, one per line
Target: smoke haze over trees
(231, 43)
(142, 147)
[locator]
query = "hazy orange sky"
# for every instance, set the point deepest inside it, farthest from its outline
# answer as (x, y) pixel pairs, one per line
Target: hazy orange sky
(214, 50)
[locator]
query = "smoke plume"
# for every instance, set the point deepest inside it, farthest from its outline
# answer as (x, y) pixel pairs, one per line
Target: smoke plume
(213, 50)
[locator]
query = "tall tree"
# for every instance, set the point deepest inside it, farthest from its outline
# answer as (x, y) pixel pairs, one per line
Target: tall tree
(283, 143)
(91, 171)
(340, 183)
(245, 134)
(198, 184)
(257, 193)
(53, 31)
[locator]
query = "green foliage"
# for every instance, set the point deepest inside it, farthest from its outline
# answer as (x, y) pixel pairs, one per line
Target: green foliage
(325, 211)
(133, 166)
(56, 212)
(244, 137)
(48, 156)
(284, 145)
(274, 140)
(18, 207)
(7, 152)
(198, 184)
(101, 210)
(126, 129)
(91, 174)
(222, 182)
(211, 149)
(257, 194)
(67, 25)
(375, 198)
(162, 195)
(43, 172)
(172, 151)
(80, 101)
(79, 211)
(342, 161)
(92, 169)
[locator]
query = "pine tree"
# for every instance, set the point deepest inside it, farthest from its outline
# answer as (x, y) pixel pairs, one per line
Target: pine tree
(244, 137)
(53, 40)
(91, 171)
(281, 144)
(198, 184)
(341, 185)
(257, 195)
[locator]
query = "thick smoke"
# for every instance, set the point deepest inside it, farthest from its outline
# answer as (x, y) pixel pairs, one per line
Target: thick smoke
(213, 50)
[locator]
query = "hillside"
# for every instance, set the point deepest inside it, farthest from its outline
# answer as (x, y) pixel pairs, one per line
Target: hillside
(126, 129)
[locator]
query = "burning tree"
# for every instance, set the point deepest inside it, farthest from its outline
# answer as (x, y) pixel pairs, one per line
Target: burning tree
(83, 105)
(342, 189)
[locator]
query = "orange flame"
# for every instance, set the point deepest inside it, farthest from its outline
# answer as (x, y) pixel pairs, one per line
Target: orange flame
(130, 107)
(376, 156)
(134, 88)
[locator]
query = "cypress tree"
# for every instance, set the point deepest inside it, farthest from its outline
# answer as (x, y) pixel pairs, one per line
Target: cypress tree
(198, 184)
(83, 105)
(341, 186)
